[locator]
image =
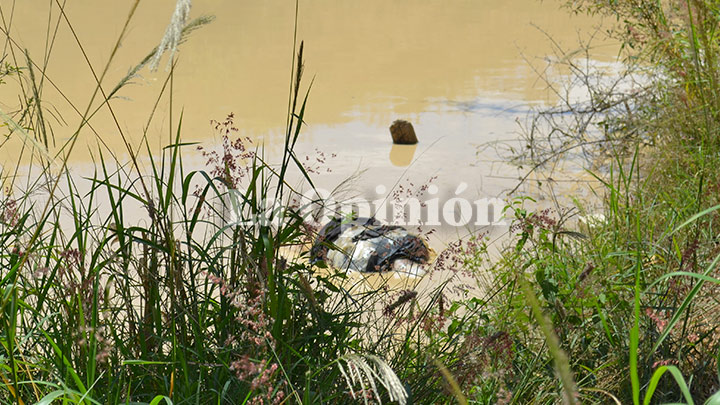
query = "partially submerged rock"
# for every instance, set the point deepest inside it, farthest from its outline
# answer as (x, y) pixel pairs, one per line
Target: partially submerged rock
(366, 245)
(403, 133)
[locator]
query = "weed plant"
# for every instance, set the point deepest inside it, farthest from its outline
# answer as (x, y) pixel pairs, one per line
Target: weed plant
(194, 307)
(150, 283)
(624, 309)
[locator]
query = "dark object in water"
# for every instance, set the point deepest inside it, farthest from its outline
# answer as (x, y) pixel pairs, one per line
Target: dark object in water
(403, 133)
(365, 244)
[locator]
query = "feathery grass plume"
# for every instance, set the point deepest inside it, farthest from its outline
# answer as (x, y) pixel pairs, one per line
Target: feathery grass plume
(359, 371)
(173, 33)
(404, 297)
(156, 53)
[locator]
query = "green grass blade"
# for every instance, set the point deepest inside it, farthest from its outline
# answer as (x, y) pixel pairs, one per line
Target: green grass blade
(677, 375)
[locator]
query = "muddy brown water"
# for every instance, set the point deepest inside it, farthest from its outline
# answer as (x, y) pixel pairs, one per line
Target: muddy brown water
(462, 71)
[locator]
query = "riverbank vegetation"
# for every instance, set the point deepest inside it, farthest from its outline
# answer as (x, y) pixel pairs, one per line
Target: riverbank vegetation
(627, 311)
(131, 284)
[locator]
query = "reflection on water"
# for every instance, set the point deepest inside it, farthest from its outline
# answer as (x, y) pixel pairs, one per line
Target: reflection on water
(402, 155)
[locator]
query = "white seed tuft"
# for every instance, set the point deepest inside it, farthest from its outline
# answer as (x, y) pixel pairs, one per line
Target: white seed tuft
(369, 369)
(173, 33)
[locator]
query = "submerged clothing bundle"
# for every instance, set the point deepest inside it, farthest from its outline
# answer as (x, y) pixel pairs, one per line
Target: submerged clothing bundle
(365, 244)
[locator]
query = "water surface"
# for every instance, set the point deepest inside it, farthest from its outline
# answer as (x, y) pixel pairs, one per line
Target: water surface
(462, 71)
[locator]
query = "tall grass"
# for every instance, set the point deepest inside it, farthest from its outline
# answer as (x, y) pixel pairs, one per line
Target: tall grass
(150, 283)
(632, 297)
(158, 284)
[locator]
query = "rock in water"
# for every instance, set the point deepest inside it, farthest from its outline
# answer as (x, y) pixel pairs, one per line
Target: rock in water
(403, 133)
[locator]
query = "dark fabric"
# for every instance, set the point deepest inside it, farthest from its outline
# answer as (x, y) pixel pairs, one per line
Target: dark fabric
(386, 247)
(331, 231)
(375, 231)
(388, 250)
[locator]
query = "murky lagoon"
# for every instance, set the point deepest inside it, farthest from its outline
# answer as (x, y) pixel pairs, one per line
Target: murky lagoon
(463, 72)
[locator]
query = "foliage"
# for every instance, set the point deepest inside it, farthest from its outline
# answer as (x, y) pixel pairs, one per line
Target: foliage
(161, 285)
(631, 294)
(156, 284)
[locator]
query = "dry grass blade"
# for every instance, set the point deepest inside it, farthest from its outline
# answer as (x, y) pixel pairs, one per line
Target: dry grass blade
(459, 396)
(26, 136)
(598, 390)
